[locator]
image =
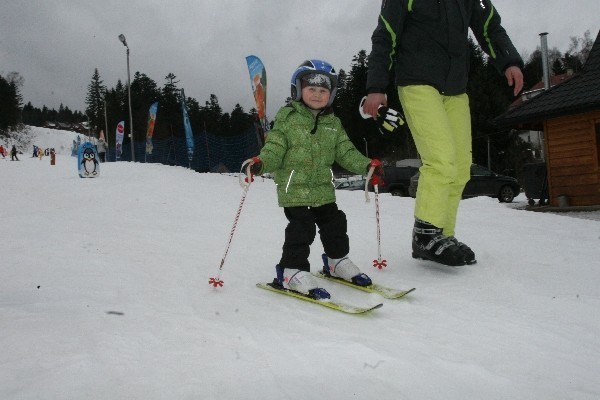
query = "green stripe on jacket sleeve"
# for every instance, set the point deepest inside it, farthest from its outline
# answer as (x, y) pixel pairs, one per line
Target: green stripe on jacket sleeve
(393, 38)
(486, 33)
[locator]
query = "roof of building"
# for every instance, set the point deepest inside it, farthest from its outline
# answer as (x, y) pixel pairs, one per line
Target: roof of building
(579, 94)
(538, 88)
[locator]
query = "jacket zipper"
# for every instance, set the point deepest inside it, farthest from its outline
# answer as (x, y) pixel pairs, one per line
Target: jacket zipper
(314, 129)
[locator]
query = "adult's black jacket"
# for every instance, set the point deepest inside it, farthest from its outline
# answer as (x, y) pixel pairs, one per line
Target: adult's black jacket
(426, 41)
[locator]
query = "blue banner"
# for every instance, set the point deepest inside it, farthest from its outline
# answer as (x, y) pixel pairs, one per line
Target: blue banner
(189, 136)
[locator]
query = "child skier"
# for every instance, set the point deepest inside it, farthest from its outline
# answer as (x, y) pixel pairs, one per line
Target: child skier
(306, 139)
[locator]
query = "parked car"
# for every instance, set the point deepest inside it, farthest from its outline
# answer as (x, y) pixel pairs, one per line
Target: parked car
(357, 184)
(483, 182)
(396, 180)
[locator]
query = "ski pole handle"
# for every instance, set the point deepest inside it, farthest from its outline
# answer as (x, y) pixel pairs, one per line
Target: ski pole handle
(247, 180)
(369, 175)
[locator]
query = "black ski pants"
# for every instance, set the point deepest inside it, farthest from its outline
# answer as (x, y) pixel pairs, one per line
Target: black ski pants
(301, 231)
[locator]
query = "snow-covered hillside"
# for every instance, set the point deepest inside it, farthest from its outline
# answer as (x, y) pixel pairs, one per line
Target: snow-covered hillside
(60, 141)
(104, 294)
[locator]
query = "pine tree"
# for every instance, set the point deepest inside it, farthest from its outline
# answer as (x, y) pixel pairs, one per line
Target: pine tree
(170, 122)
(94, 101)
(213, 113)
(10, 101)
(144, 91)
(116, 110)
(240, 121)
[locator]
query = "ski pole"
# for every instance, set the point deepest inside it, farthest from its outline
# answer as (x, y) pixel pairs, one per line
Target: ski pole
(379, 262)
(216, 281)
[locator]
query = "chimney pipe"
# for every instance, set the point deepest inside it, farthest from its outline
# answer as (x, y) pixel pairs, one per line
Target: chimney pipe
(545, 68)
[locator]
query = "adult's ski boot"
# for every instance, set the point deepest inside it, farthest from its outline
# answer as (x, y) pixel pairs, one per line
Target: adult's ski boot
(430, 244)
(466, 250)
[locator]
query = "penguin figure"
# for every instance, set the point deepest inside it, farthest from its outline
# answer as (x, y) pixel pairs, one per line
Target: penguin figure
(89, 162)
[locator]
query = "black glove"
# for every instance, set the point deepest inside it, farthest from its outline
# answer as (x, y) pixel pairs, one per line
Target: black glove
(389, 120)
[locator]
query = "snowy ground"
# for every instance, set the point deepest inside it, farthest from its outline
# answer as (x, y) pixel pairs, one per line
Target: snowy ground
(104, 295)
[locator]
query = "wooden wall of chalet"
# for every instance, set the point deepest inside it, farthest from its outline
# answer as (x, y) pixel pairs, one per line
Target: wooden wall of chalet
(572, 151)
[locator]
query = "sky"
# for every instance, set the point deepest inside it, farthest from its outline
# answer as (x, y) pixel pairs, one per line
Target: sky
(104, 295)
(56, 45)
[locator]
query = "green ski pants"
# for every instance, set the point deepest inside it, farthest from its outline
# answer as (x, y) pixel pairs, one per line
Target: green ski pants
(441, 128)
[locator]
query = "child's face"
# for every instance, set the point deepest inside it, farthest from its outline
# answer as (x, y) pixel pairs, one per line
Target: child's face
(315, 97)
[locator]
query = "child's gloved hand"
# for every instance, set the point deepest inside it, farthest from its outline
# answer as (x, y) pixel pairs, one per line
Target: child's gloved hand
(256, 166)
(377, 177)
(250, 167)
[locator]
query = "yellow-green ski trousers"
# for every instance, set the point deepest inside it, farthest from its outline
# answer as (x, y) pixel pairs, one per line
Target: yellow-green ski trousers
(441, 128)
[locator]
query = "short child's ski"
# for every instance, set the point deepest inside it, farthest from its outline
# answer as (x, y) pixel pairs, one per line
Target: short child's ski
(333, 304)
(387, 292)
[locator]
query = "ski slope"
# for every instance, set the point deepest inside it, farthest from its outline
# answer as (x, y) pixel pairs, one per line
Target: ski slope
(104, 294)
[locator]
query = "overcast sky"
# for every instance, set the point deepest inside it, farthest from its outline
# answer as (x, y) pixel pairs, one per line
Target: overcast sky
(56, 44)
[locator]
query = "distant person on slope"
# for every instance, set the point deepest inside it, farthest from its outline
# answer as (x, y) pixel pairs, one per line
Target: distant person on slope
(101, 146)
(13, 154)
(306, 139)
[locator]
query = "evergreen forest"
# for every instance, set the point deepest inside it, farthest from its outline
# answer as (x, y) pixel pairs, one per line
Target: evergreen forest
(107, 105)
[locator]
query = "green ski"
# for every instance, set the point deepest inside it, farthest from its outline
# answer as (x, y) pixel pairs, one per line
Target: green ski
(387, 292)
(335, 305)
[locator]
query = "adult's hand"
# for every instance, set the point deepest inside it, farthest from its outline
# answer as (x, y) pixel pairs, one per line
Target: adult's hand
(374, 100)
(514, 77)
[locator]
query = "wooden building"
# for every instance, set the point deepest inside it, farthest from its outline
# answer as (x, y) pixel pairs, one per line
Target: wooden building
(569, 115)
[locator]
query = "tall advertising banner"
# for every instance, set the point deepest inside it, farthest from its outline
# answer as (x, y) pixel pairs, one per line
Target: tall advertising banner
(150, 130)
(119, 139)
(189, 136)
(258, 78)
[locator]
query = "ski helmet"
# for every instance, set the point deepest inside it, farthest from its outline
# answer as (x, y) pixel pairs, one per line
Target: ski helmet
(319, 67)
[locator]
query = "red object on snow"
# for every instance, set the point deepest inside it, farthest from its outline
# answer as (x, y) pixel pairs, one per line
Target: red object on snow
(215, 282)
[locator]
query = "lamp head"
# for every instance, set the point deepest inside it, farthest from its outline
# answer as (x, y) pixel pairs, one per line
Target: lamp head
(122, 39)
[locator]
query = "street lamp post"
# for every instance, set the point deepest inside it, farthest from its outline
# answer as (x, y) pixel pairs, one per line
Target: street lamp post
(122, 39)
(106, 129)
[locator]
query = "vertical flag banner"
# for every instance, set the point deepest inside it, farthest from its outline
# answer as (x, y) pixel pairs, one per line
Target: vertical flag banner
(258, 78)
(119, 140)
(189, 136)
(150, 130)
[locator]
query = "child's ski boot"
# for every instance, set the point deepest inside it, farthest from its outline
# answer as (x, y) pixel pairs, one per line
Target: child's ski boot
(345, 269)
(300, 281)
